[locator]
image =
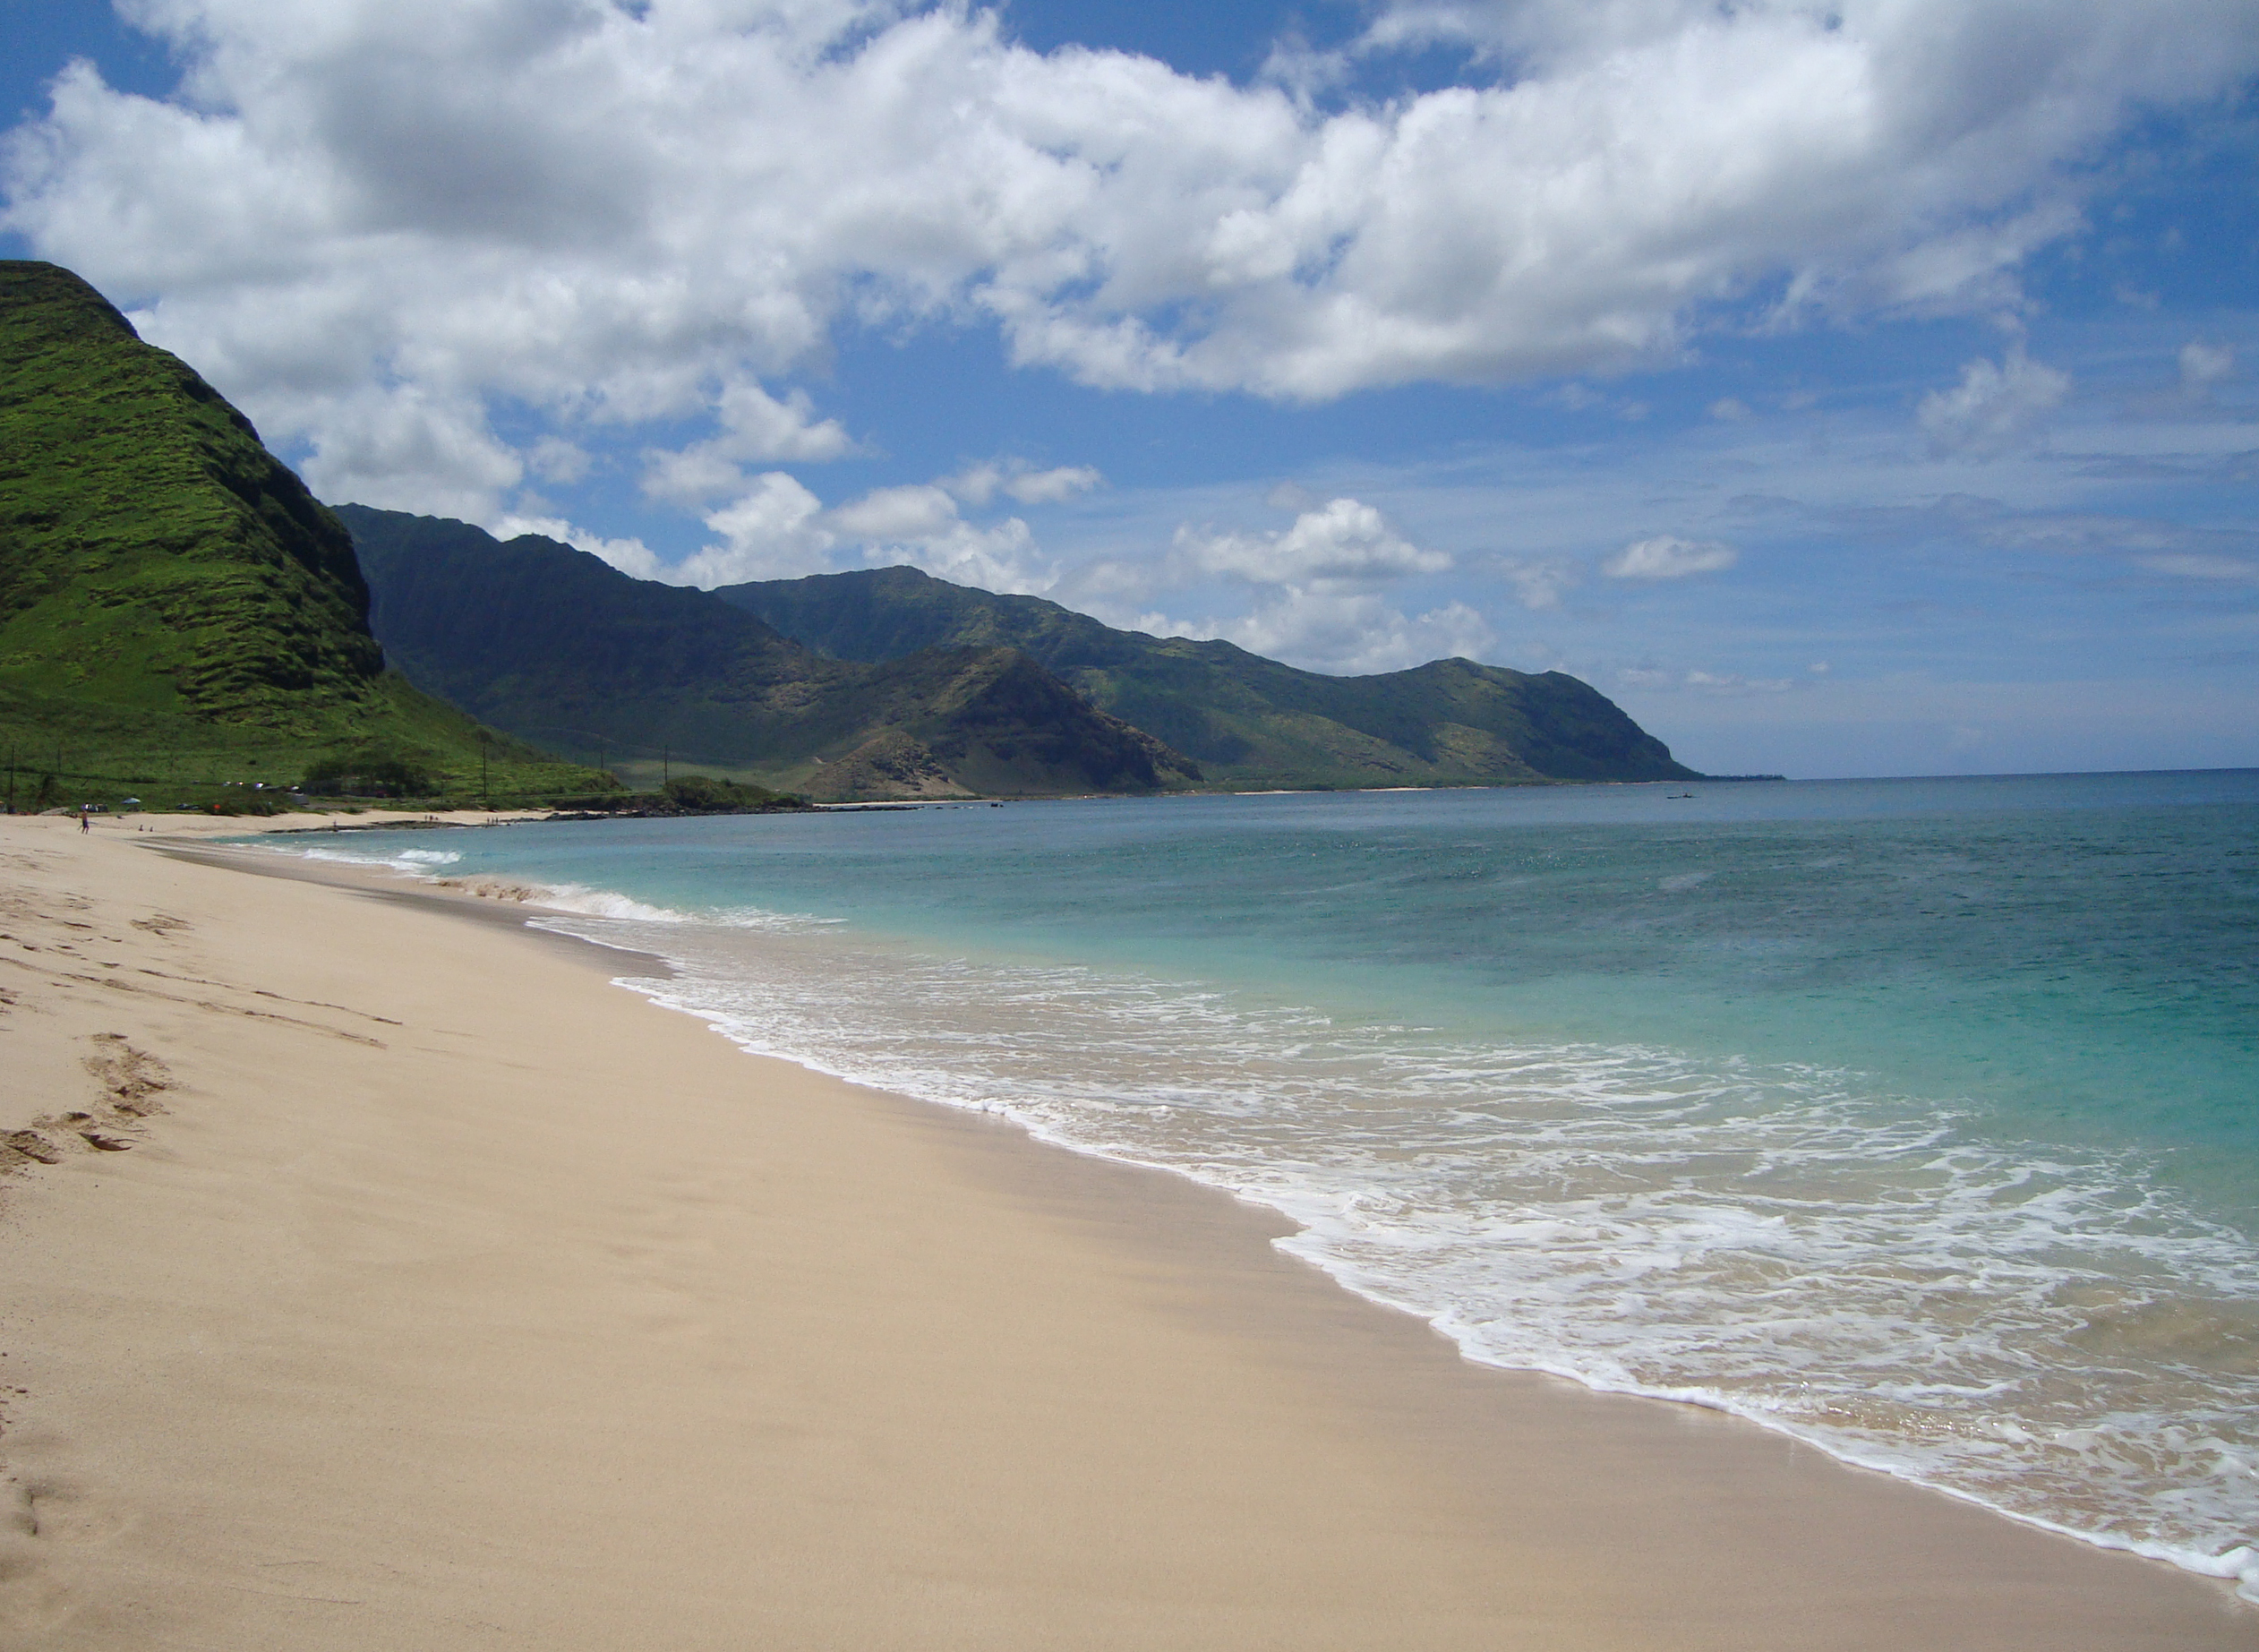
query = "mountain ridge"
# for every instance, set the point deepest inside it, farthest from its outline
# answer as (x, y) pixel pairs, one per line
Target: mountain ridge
(173, 598)
(549, 641)
(1248, 721)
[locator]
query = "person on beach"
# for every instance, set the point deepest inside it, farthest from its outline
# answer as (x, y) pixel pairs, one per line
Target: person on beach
(86, 821)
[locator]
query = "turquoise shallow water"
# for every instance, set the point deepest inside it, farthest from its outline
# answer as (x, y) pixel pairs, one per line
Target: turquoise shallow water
(1915, 1118)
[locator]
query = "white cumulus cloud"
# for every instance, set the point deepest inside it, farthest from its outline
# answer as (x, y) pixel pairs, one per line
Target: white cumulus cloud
(756, 428)
(629, 556)
(977, 484)
(1345, 632)
(1995, 405)
(1001, 556)
(617, 213)
(771, 532)
(404, 447)
(1045, 487)
(1342, 541)
(1668, 556)
(922, 526)
(897, 514)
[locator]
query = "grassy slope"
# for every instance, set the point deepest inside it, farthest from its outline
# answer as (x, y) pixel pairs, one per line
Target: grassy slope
(1247, 720)
(552, 643)
(176, 611)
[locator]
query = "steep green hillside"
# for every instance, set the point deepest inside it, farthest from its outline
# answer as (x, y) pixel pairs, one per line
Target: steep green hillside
(155, 555)
(1245, 719)
(556, 645)
(176, 612)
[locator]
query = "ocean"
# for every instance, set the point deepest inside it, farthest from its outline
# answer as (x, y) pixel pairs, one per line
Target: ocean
(1916, 1118)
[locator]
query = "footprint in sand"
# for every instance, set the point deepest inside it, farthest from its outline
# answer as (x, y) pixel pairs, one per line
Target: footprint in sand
(32, 1145)
(130, 1078)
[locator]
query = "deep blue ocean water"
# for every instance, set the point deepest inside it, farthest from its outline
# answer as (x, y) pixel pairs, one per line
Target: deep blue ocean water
(1919, 1118)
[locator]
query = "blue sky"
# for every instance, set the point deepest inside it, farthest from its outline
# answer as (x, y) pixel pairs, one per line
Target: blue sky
(1865, 388)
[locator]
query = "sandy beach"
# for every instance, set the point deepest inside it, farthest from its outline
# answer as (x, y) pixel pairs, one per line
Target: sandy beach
(379, 1274)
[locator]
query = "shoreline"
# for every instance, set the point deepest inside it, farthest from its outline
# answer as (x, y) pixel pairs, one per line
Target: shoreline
(1021, 1395)
(1289, 1226)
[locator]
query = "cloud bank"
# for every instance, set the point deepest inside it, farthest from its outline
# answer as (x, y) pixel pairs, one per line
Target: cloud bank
(376, 222)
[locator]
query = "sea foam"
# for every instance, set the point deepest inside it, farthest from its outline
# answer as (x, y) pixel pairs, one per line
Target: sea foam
(1863, 1271)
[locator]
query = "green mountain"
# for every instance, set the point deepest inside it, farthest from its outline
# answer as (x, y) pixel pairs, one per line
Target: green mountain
(1248, 722)
(176, 611)
(556, 645)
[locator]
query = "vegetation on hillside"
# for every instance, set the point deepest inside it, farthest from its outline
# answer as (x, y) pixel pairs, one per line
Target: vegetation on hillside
(554, 644)
(56, 752)
(182, 623)
(1247, 721)
(702, 794)
(180, 620)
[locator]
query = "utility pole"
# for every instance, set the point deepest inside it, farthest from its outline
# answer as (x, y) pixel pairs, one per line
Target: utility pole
(485, 797)
(666, 765)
